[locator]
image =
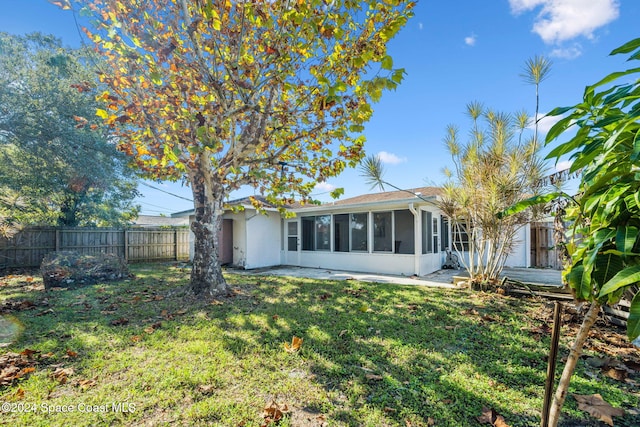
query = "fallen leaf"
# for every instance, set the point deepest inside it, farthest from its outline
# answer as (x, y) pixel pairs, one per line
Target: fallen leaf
(616, 373)
(374, 377)
(84, 384)
(296, 343)
(388, 409)
(28, 352)
(275, 317)
(62, 374)
(490, 416)
(206, 389)
(71, 353)
(342, 332)
(216, 302)
(19, 394)
(119, 322)
(598, 408)
(136, 338)
(274, 412)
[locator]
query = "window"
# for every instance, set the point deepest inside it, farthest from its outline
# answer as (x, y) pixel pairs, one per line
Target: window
(444, 233)
(316, 233)
(435, 234)
(308, 233)
(359, 232)
(427, 233)
(341, 233)
(292, 236)
(460, 236)
(404, 236)
(382, 238)
(323, 232)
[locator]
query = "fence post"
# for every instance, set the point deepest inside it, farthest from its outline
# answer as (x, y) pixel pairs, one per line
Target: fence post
(56, 245)
(126, 245)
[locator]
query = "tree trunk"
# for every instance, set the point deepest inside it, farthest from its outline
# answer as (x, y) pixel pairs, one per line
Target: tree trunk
(576, 350)
(206, 273)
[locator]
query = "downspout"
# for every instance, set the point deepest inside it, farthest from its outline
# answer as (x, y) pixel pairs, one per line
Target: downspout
(417, 233)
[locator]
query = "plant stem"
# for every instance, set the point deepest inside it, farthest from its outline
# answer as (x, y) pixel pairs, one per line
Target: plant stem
(572, 360)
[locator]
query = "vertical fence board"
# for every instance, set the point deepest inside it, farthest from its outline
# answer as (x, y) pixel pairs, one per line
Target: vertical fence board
(27, 248)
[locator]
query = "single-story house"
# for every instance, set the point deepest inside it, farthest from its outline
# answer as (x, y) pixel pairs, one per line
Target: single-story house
(395, 232)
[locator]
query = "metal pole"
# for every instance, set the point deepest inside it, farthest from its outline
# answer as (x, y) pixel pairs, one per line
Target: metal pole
(551, 365)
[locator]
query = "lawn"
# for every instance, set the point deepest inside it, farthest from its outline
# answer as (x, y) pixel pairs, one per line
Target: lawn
(141, 352)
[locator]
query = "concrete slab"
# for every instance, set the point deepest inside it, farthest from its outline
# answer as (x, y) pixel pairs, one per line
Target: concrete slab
(440, 278)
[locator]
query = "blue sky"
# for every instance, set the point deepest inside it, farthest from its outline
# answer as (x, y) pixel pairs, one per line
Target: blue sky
(454, 52)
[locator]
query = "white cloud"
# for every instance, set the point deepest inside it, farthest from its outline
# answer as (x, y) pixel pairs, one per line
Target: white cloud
(470, 40)
(567, 53)
(390, 158)
(563, 165)
(324, 186)
(545, 123)
(562, 20)
(420, 26)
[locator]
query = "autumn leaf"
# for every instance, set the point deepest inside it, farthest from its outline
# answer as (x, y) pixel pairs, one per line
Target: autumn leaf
(374, 377)
(296, 343)
(136, 338)
(119, 322)
(274, 412)
(62, 374)
(597, 407)
(490, 416)
(62, 4)
(71, 353)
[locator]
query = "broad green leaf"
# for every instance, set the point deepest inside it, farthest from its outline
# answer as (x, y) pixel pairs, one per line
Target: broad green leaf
(626, 277)
(575, 280)
(626, 237)
(606, 266)
(614, 76)
(557, 129)
(633, 323)
(627, 47)
(559, 110)
(532, 201)
(387, 63)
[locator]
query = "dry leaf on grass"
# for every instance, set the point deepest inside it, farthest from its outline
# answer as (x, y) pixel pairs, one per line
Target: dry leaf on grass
(274, 412)
(295, 345)
(119, 322)
(62, 374)
(206, 388)
(597, 407)
(490, 416)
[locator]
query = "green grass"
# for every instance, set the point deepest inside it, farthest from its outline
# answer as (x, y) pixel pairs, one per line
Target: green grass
(373, 354)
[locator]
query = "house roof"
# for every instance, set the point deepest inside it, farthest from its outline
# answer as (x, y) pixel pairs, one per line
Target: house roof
(156, 221)
(389, 196)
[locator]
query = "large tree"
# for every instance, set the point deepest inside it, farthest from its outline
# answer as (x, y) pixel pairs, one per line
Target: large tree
(55, 166)
(224, 94)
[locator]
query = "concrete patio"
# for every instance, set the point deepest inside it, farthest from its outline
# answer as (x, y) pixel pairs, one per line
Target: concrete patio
(440, 278)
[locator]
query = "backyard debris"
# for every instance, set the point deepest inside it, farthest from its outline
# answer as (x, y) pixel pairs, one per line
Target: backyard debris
(62, 374)
(14, 366)
(296, 343)
(274, 412)
(598, 408)
(65, 269)
(490, 416)
(120, 322)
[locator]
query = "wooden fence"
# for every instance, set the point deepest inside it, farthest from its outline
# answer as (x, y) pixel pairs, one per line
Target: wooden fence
(27, 248)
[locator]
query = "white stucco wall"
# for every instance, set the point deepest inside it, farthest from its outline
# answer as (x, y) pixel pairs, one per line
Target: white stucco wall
(359, 261)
